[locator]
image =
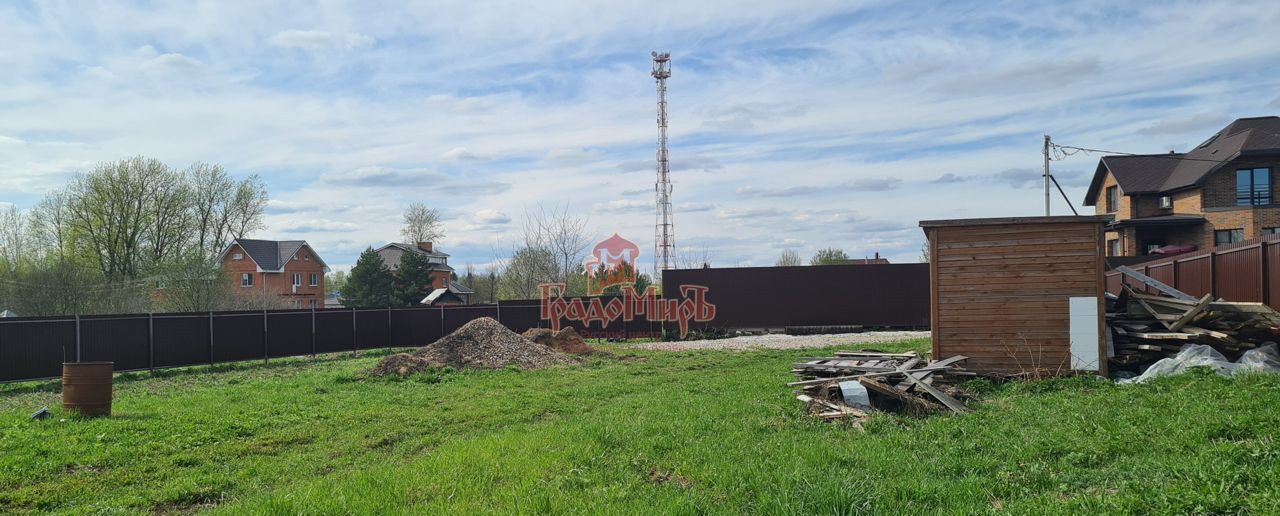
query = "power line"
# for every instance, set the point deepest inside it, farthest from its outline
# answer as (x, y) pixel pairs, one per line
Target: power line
(1064, 151)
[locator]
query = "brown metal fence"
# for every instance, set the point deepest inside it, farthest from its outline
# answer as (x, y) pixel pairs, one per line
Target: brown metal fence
(1243, 272)
(752, 297)
(880, 295)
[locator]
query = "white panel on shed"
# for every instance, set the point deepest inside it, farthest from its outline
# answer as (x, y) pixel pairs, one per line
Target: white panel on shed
(1084, 333)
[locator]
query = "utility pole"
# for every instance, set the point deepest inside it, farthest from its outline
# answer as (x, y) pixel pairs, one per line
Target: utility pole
(1046, 175)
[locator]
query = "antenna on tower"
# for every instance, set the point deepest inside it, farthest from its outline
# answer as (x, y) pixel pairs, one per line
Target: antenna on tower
(664, 231)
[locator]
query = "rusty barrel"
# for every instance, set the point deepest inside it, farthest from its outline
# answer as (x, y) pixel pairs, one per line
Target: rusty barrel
(86, 387)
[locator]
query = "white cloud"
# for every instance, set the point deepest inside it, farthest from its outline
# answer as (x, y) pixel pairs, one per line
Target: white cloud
(459, 154)
(319, 40)
(490, 217)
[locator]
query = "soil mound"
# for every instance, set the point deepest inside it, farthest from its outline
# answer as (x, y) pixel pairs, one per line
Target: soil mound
(568, 341)
(400, 364)
(486, 343)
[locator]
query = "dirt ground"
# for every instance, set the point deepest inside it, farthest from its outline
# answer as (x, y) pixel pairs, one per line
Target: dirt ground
(788, 341)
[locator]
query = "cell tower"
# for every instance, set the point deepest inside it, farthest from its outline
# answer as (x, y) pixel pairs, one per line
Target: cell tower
(664, 231)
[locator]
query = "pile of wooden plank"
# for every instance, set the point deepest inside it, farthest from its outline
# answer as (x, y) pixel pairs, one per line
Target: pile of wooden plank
(1146, 327)
(899, 382)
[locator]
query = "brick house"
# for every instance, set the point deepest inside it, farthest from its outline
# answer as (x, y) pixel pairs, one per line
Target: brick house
(277, 269)
(1223, 191)
(441, 272)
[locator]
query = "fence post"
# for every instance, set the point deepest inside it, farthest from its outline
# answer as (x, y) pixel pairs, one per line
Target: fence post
(1213, 273)
(388, 330)
(1262, 271)
(151, 342)
(442, 322)
(77, 337)
(354, 343)
(266, 352)
(313, 332)
(211, 361)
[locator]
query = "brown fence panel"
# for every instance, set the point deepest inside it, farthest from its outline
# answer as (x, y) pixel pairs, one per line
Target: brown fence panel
(35, 349)
(181, 339)
(238, 336)
(415, 327)
(773, 297)
(119, 339)
(288, 333)
(1236, 274)
(1271, 257)
(1194, 276)
(334, 331)
(372, 328)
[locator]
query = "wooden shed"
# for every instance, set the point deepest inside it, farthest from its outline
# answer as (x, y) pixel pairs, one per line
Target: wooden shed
(1019, 294)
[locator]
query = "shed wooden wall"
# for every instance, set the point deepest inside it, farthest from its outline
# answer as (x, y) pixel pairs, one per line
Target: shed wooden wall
(999, 291)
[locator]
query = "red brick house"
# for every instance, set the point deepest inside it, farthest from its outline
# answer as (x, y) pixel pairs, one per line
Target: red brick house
(1223, 191)
(277, 269)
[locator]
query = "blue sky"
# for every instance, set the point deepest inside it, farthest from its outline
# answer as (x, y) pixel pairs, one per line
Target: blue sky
(794, 125)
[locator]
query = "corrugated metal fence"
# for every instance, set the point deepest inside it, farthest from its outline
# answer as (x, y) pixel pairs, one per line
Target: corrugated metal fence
(1243, 272)
(35, 347)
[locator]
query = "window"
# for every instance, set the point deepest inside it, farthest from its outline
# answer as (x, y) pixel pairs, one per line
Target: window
(1228, 236)
(1253, 186)
(297, 279)
(1113, 198)
(297, 303)
(1113, 247)
(315, 279)
(237, 256)
(246, 279)
(1271, 231)
(1166, 202)
(312, 304)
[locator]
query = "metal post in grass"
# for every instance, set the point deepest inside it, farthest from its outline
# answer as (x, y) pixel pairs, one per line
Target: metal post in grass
(354, 349)
(313, 332)
(211, 362)
(151, 342)
(77, 337)
(266, 352)
(388, 329)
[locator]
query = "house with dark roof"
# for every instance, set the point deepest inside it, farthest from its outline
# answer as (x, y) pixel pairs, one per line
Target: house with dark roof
(1221, 192)
(284, 273)
(441, 272)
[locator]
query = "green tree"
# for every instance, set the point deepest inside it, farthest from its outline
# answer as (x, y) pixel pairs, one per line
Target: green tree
(412, 279)
(370, 284)
(829, 256)
(334, 281)
(789, 258)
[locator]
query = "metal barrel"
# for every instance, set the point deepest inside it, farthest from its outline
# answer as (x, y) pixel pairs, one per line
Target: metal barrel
(86, 388)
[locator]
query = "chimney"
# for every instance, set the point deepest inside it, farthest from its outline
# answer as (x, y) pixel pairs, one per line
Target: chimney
(877, 256)
(425, 246)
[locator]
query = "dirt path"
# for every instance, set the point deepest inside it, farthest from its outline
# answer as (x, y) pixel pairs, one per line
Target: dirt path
(789, 341)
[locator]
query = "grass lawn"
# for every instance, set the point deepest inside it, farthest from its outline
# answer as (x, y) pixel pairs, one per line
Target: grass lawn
(708, 431)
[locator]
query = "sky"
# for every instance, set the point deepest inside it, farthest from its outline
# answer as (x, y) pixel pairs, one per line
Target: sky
(793, 125)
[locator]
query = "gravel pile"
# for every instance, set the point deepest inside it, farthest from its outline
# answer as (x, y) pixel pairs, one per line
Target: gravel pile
(787, 341)
(486, 343)
(400, 364)
(566, 340)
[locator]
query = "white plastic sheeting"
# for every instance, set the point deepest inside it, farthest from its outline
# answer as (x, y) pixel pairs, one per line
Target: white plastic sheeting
(1264, 358)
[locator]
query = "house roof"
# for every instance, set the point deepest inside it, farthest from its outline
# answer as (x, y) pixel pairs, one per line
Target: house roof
(410, 247)
(1160, 220)
(1161, 173)
(8, 313)
(441, 294)
(458, 288)
(272, 255)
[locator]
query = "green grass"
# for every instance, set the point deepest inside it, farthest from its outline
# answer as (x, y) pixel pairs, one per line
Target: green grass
(689, 432)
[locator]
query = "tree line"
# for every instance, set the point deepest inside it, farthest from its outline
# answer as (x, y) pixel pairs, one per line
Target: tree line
(131, 235)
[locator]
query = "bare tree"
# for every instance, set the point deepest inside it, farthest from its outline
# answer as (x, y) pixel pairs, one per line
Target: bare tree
(421, 224)
(694, 258)
(553, 246)
(223, 209)
(14, 241)
(924, 252)
(50, 226)
(789, 258)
